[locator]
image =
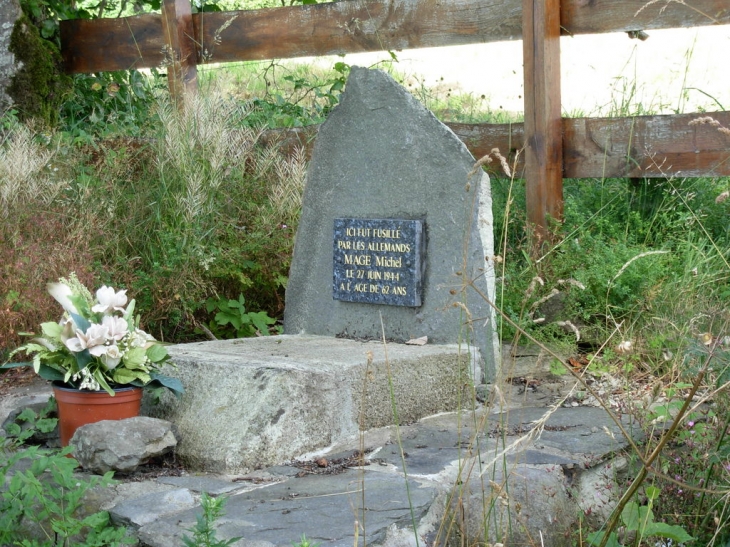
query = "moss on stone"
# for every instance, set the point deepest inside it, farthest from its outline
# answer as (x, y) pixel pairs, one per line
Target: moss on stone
(39, 87)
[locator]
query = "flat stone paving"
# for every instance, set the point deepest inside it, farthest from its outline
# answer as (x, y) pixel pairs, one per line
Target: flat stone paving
(275, 506)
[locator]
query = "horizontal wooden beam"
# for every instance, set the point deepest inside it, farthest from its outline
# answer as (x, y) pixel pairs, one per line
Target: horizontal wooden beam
(597, 147)
(352, 26)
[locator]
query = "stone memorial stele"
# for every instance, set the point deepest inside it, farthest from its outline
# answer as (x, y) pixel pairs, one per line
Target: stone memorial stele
(395, 236)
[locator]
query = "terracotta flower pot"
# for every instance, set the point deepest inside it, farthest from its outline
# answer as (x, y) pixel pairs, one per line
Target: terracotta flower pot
(79, 407)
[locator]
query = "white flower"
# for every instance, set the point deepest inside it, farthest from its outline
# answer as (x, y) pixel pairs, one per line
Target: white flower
(109, 300)
(94, 338)
(140, 339)
(116, 327)
(96, 335)
(67, 330)
(624, 347)
(75, 344)
(112, 357)
(61, 293)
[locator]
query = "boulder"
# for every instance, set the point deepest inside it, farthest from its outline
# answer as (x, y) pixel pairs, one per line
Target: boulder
(530, 507)
(122, 445)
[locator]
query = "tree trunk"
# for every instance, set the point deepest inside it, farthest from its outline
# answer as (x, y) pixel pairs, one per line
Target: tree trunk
(9, 13)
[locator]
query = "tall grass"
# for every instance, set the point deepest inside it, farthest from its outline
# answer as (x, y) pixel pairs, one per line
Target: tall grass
(202, 211)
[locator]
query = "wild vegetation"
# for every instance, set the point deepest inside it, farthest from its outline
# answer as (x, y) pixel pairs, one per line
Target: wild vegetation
(195, 214)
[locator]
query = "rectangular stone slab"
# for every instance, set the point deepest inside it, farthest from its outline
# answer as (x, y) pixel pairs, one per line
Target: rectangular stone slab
(257, 402)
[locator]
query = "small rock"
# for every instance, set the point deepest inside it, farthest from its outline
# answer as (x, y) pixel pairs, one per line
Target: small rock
(482, 392)
(122, 445)
(146, 509)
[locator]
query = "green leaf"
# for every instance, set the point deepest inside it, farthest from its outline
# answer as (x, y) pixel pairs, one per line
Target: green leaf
(595, 538)
(135, 357)
(96, 520)
(261, 321)
(238, 304)
(51, 374)
(51, 329)
(636, 516)
(664, 530)
(81, 322)
(557, 368)
(99, 377)
(652, 492)
(129, 315)
(156, 353)
(46, 425)
(173, 384)
(27, 415)
(83, 358)
(16, 365)
(125, 376)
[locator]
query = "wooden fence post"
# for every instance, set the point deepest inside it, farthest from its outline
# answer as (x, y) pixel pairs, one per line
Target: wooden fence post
(543, 124)
(180, 55)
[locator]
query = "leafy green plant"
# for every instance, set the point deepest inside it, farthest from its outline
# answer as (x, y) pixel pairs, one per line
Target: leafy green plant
(111, 103)
(42, 502)
(233, 321)
(304, 542)
(204, 533)
(29, 422)
(640, 520)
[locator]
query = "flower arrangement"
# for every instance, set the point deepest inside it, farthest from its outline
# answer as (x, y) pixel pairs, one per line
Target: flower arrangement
(97, 344)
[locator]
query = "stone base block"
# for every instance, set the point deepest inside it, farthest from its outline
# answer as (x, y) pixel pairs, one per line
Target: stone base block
(257, 402)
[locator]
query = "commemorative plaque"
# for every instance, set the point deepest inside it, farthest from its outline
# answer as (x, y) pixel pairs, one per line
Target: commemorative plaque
(378, 261)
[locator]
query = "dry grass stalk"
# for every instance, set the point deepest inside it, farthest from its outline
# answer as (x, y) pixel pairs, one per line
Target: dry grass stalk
(24, 170)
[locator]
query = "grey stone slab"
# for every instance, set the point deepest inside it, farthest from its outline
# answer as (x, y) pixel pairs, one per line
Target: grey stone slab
(382, 155)
(323, 507)
(541, 457)
(136, 512)
(202, 484)
(428, 451)
(258, 402)
(581, 430)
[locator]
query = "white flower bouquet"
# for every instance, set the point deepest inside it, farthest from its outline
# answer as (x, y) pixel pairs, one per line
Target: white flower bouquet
(97, 344)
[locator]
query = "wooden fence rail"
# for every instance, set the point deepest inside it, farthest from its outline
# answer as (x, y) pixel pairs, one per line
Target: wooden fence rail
(96, 45)
(552, 147)
(643, 146)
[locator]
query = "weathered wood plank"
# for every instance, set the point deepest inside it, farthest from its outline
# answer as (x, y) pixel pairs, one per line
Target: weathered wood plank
(180, 50)
(645, 146)
(351, 27)
(599, 16)
(97, 45)
(543, 125)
